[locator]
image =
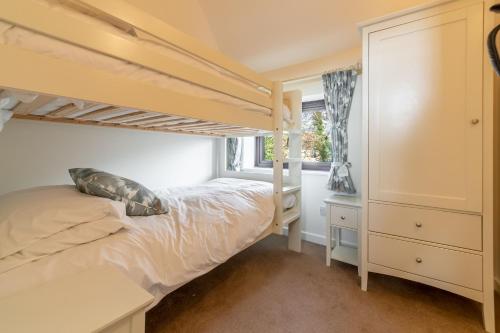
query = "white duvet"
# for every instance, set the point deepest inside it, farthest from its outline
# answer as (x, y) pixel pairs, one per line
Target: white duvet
(206, 226)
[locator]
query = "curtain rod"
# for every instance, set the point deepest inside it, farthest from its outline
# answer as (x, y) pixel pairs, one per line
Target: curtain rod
(357, 67)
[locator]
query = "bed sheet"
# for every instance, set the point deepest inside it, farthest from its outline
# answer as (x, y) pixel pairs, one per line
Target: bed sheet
(207, 225)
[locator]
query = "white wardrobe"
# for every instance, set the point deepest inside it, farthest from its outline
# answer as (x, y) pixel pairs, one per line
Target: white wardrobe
(428, 163)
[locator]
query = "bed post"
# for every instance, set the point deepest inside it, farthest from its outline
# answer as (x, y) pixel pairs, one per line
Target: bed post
(294, 100)
(277, 96)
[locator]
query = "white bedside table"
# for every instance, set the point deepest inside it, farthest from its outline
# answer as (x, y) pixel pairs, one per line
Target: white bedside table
(98, 300)
(342, 212)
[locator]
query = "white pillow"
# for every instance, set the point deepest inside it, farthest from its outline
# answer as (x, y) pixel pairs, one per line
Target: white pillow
(29, 215)
(77, 235)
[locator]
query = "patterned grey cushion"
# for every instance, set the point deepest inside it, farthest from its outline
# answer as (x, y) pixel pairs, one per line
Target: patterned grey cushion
(139, 200)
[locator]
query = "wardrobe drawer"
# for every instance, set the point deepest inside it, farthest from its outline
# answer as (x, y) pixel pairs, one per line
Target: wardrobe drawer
(464, 269)
(448, 228)
(344, 216)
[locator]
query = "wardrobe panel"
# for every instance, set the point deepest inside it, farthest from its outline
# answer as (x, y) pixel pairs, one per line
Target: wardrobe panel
(425, 112)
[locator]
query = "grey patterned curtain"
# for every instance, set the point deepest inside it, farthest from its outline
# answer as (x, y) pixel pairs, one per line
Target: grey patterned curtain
(339, 89)
(234, 148)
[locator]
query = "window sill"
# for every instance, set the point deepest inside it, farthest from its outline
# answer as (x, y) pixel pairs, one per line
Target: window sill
(316, 172)
(265, 171)
(269, 171)
(258, 170)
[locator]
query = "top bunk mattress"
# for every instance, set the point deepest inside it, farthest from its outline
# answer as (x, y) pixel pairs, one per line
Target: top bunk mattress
(41, 44)
(207, 225)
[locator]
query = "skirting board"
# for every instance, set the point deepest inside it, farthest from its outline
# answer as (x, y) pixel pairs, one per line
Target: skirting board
(317, 238)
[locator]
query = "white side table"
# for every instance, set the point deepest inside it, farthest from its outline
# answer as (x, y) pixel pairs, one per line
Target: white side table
(98, 300)
(342, 212)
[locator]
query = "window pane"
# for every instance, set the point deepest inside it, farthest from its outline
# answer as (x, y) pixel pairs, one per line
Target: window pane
(316, 144)
(269, 146)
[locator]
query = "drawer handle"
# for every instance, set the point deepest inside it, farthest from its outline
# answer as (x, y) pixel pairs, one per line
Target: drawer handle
(418, 225)
(418, 260)
(342, 217)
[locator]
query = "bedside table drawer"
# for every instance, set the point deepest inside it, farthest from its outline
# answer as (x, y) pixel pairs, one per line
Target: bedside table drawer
(344, 217)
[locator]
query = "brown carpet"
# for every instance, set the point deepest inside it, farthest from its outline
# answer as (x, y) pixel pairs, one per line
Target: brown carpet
(269, 289)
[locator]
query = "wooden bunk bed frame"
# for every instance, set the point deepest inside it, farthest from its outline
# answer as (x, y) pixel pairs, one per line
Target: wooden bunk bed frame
(146, 106)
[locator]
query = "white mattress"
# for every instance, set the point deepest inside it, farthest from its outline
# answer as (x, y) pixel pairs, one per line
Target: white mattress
(206, 226)
(13, 35)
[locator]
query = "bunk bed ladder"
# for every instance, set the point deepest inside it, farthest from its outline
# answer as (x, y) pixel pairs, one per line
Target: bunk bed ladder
(291, 217)
(277, 102)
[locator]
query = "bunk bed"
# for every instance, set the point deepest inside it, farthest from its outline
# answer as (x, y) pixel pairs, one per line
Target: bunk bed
(151, 77)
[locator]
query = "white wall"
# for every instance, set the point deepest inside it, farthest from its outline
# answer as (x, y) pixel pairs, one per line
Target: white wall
(186, 16)
(341, 59)
(40, 153)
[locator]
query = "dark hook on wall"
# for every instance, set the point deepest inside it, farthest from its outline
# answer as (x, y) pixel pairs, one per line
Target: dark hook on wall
(492, 45)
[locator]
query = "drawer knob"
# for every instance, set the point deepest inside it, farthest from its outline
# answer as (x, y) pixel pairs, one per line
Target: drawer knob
(418, 225)
(418, 260)
(474, 121)
(342, 217)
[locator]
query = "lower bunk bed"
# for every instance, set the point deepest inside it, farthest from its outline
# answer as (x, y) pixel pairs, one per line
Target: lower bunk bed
(206, 225)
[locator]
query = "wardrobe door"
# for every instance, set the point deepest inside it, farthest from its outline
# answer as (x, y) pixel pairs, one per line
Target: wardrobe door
(425, 111)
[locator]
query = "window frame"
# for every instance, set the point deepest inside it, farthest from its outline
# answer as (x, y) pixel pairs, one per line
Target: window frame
(316, 105)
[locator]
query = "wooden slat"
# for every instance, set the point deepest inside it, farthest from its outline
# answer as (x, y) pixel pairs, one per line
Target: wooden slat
(172, 122)
(206, 126)
(192, 123)
(27, 108)
(63, 111)
(224, 133)
(231, 133)
(211, 131)
(188, 125)
(152, 120)
(212, 126)
(94, 115)
(199, 126)
(220, 129)
(239, 130)
(103, 124)
(130, 116)
(41, 18)
(193, 130)
(143, 21)
(88, 108)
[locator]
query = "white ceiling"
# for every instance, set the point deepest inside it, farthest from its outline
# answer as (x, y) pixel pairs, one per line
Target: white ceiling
(270, 34)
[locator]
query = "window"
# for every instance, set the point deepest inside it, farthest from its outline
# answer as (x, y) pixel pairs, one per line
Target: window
(264, 146)
(316, 142)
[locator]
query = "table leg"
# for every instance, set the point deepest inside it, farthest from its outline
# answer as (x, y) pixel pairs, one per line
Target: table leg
(328, 237)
